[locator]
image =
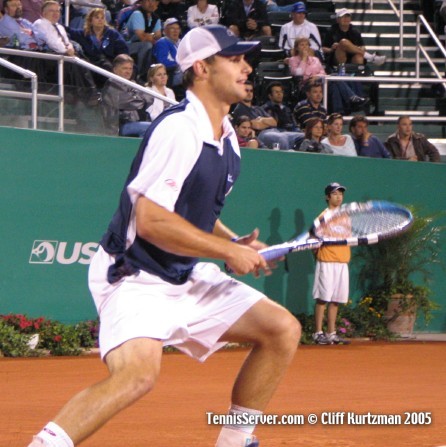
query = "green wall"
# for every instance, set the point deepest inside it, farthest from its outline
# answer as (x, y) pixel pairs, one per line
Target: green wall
(60, 190)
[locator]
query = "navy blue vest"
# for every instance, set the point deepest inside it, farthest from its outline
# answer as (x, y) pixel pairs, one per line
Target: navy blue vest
(200, 202)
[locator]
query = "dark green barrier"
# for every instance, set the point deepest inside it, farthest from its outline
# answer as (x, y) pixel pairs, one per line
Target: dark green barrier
(59, 192)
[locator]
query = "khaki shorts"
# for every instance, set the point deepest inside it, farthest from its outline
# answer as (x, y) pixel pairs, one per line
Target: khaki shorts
(192, 316)
(331, 282)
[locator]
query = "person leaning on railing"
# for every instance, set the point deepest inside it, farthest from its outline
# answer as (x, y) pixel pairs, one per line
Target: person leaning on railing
(124, 108)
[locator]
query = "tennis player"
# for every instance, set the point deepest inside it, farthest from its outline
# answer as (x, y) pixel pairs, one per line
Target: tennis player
(146, 281)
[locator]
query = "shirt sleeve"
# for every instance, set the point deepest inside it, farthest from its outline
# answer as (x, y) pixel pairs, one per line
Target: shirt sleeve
(168, 159)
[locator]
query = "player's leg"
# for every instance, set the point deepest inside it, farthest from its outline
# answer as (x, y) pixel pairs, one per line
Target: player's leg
(134, 367)
(275, 334)
(332, 313)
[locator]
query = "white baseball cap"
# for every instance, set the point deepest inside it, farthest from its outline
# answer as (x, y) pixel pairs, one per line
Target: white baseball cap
(205, 41)
(170, 21)
(343, 12)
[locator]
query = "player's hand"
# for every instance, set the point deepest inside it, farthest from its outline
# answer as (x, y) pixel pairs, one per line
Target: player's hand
(242, 259)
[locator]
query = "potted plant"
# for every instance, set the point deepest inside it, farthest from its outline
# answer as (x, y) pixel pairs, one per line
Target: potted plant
(395, 274)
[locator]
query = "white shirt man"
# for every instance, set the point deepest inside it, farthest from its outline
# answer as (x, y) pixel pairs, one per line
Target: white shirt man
(299, 27)
(48, 29)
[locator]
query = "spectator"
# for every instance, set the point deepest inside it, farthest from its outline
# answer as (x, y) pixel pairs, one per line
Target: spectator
(283, 115)
(300, 27)
(314, 131)
(331, 278)
(245, 133)
(263, 123)
(13, 25)
(79, 13)
(53, 34)
(344, 44)
(312, 106)
(405, 144)
(143, 29)
(157, 80)
(165, 51)
(124, 106)
(248, 18)
(367, 145)
(340, 144)
(202, 13)
(344, 96)
(100, 43)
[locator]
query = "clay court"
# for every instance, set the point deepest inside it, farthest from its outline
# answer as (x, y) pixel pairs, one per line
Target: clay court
(380, 378)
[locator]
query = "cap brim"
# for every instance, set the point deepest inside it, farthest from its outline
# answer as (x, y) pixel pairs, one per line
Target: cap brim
(240, 47)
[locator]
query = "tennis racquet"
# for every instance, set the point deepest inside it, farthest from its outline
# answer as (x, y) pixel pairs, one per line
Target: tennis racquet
(350, 224)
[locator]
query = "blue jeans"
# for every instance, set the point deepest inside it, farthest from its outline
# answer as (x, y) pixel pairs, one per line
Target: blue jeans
(340, 93)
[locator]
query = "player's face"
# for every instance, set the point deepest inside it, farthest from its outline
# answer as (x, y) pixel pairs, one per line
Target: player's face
(227, 77)
(335, 199)
(244, 130)
(405, 127)
(124, 70)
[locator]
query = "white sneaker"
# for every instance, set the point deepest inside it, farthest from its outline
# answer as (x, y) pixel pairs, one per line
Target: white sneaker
(378, 60)
(37, 442)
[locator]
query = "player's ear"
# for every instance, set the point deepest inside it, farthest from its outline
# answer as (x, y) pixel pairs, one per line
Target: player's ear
(200, 68)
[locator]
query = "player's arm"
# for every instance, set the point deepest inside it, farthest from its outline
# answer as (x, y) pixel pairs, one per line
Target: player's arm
(251, 239)
(170, 232)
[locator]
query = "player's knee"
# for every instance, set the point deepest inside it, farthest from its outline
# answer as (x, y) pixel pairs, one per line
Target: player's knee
(137, 381)
(287, 332)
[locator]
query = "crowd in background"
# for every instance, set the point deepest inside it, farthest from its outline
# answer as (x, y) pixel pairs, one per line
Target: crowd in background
(138, 40)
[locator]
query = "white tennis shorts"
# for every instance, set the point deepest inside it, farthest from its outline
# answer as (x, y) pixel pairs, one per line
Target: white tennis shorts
(192, 316)
(331, 282)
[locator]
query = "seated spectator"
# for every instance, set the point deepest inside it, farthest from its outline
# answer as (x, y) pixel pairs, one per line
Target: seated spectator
(245, 133)
(248, 18)
(202, 13)
(48, 30)
(344, 44)
(123, 105)
(314, 132)
(367, 145)
(263, 123)
(100, 43)
(299, 27)
(405, 144)
(14, 26)
(165, 51)
(157, 80)
(338, 143)
(283, 115)
(344, 96)
(143, 29)
(312, 106)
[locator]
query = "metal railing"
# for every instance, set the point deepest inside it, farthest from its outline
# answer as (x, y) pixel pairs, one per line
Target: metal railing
(60, 98)
(34, 82)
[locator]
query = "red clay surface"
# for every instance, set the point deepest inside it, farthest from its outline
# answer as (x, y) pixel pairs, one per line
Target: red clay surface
(380, 378)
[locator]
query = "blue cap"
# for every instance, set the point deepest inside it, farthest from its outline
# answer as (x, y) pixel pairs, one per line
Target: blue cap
(332, 187)
(299, 7)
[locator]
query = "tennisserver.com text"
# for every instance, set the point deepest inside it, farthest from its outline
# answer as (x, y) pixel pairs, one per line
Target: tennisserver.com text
(324, 418)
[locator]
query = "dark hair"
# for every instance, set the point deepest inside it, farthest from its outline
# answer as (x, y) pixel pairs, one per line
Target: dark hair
(312, 83)
(271, 85)
(333, 117)
(357, 119)
(241, 119)
(310, 124)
